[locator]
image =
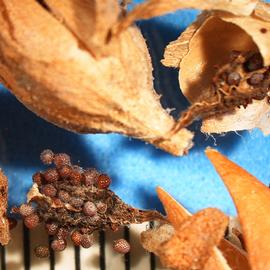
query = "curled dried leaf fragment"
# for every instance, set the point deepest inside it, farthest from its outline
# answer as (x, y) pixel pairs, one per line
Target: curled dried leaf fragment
(251, 199)
(71, 83)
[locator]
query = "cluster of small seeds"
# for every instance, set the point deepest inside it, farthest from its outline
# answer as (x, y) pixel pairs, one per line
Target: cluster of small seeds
(76, 202)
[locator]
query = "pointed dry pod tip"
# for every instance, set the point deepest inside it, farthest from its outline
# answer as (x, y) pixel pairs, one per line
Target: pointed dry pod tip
(76, 81)
(251, 199)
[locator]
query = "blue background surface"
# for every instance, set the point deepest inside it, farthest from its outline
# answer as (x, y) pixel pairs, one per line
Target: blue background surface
(135, 167)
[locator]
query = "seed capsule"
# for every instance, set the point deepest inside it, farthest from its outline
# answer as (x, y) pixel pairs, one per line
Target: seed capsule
(76, 238)
(75, 178)
(233, 78)
(42, 252)
(121, 246)
(26, 210)
(58, 245)
(103, 181)
(62, 233)
(47, 156)
(51, 175)
(101, 207)
(86, 241)
(61, 160)
(49, 190)
(76, 202)
(51, 228)
(31, 221)
(89, 209)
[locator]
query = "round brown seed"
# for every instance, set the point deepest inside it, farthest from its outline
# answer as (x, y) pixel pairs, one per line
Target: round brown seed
(51, 175)
(256, 78)
(75, 178)
(62, 233)
(76, 238)
(86, 241)
(58, 245)
(101, 207)
(233, 78)
(63, 196)
(49, 190)
(37, 178)
(61, 159)
(47, 156)
(65, 171)
(76, 202)
(103, 181)
(89, 209)
(31, 221)
(51, 228)
(90, 177)
(26, 210)
(121, 246)
(42, 252)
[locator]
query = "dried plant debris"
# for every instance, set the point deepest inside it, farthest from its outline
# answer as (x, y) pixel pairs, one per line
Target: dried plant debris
(71, 201)
(4, 222)
(251, 198)
(83, 79)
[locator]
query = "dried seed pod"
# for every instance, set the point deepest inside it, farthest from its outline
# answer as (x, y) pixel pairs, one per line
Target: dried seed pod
(76, 202)
(61, 160)
(49, 190)
(102, 207)
(103, 181)
(58, 245)
(86, 241)
(89, 209)
(26, 210)
(51, 175)
(62, 233)
(89, 87)
(42, 252)
(76, 238)
(47, 156)
(31, 221)
(75, 178)
(121, 246)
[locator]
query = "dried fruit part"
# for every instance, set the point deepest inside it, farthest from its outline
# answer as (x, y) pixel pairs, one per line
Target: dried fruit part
(65, 83)
(208, 44)
(47, 156)
(79, 209)
(4, 224)
(42, 252)
(26, 210)
(58, 245)
(251, 199)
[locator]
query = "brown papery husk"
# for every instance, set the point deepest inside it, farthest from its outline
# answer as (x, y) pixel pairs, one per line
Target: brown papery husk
(152, 8)
(50, 61)
(4, 224)
(208, 43)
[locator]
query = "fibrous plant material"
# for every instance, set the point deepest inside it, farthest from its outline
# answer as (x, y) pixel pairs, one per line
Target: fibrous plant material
(63, 63)
(4, 223)
(251, 198)
(77, 207)
(188, 242)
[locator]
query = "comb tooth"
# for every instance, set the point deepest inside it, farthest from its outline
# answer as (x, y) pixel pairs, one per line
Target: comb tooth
(114, 261)
(90, 257)
(38, 237)
(14, 250)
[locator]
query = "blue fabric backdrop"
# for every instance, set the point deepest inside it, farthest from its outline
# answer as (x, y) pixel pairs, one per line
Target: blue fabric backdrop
(135, 167)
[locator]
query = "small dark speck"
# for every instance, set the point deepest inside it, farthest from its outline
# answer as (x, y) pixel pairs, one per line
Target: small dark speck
(263, 30)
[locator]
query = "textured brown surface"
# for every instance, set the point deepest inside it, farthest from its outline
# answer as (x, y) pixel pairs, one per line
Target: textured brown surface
(4, 227)
(251, 199)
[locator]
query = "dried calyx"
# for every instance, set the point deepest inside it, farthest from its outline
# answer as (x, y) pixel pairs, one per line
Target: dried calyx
(84, 79)
(71, 201)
